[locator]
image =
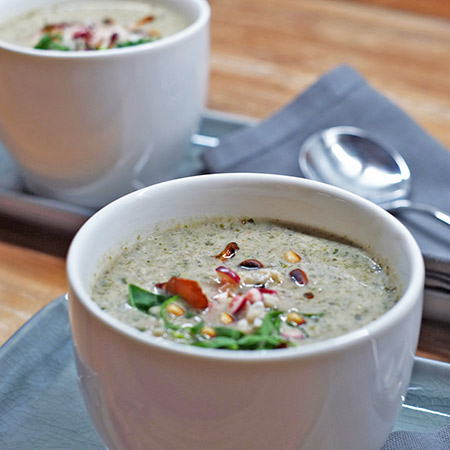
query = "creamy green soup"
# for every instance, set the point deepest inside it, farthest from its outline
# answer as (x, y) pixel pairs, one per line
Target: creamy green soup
(87, 25)
(240, 283)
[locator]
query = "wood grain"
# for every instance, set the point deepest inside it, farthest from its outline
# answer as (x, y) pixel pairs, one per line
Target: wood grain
(263, 54)
(28, 281)
(438, 8)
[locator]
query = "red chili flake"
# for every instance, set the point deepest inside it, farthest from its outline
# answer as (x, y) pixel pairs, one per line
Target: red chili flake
(228, 252)
(188, 290)
(251, 264)
(308, 295)
(298, 277)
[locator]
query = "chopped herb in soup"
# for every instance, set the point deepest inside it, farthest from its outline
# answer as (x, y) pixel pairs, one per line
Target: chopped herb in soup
(77, 26)
(244, 284)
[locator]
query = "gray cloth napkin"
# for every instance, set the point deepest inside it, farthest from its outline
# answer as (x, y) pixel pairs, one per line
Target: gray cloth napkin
(343, 97)
(402, 440)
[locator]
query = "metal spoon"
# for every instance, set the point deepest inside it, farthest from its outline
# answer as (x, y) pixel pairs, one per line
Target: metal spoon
(350, 158)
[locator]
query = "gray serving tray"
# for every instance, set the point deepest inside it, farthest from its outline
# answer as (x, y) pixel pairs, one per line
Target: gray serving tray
(41, 406)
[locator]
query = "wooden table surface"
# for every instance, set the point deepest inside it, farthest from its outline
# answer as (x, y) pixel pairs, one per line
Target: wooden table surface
(263, 54)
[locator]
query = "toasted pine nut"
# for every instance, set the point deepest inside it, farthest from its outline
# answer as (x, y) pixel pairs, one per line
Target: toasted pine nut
(175, 309)
(296, 318)
(208, 332)
(226, 318)
(292, 257)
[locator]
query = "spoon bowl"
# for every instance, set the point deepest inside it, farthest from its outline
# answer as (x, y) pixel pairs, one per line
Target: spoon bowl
(350, 158)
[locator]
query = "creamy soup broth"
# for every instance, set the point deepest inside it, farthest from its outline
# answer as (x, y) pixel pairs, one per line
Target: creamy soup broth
(261, 279)
(107, 24)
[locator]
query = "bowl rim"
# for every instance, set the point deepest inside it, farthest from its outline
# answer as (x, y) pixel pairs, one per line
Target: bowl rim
(408, 301)
(204, 13)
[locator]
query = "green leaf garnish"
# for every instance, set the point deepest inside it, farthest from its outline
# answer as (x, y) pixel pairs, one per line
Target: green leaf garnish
(163, 313)
(228, 332)
(51, 42)
(312, 315)
(260, 342)
(178, 334)
(195, 330)
(271, 323)
(143, 299)
(132, 43)
(267, 336)
(218, 342)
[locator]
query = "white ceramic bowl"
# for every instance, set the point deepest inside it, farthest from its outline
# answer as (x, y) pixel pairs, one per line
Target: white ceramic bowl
(88, 127)
(340, 394)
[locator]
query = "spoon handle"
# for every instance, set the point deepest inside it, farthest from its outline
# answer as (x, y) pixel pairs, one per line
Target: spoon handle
(419, 207)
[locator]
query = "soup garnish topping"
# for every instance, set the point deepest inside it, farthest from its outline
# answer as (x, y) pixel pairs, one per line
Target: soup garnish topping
(289, 286)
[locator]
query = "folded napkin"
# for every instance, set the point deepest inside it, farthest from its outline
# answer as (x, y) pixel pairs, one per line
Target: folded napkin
(402, 440)
(343, 97)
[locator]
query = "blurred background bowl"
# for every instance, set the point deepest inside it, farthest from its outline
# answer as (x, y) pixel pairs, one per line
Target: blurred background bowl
(89, 126)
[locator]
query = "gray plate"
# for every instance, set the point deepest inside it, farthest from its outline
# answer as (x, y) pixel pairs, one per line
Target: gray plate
(42, 408)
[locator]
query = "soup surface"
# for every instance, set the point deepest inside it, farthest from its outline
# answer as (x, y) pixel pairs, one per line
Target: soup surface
(99, 25)
(240, 283)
